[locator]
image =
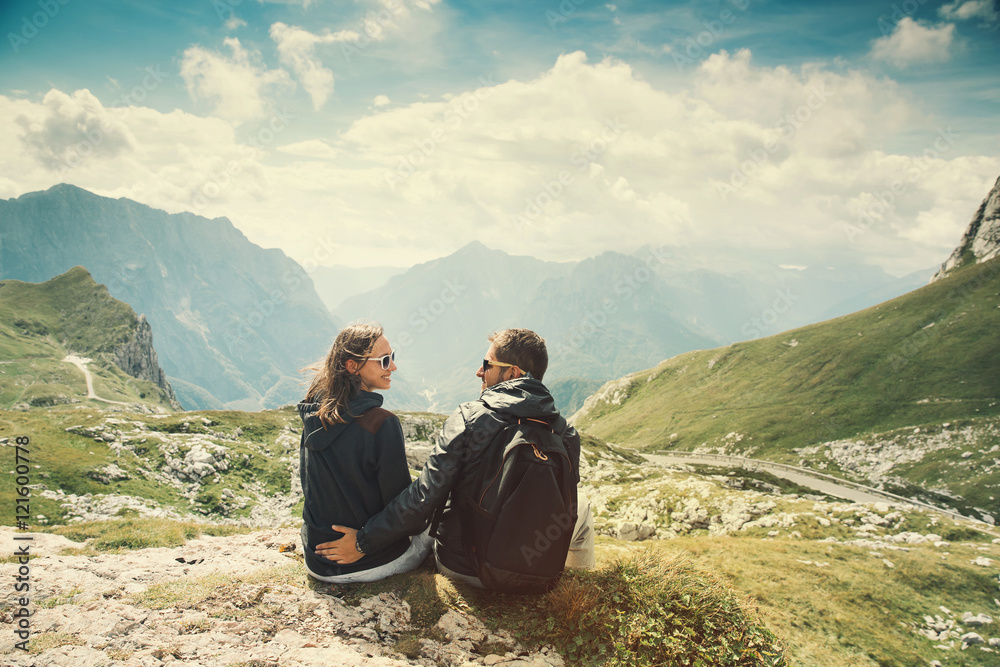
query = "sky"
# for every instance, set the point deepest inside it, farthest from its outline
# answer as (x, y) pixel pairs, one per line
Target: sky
(393, 132)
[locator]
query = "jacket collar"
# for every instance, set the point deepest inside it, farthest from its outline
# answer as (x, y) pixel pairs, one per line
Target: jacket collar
(521, 397)
(360, 403)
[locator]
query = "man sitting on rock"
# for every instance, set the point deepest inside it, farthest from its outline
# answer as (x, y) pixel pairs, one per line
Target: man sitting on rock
(512, 391)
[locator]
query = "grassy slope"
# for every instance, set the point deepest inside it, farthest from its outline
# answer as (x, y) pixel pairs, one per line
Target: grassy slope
(855, 610)
(64, 459)
(926, 357)
(41, 323)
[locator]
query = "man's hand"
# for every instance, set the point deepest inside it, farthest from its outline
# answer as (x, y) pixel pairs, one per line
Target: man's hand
(342, 549)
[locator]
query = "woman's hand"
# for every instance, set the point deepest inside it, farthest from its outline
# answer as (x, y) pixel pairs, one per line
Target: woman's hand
(342, 549)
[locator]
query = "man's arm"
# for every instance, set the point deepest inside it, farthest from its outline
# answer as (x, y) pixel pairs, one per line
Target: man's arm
(410, 512)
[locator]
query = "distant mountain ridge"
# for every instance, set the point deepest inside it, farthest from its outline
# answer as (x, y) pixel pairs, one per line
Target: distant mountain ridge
(602, 317)
(71, 314)
(234, 322)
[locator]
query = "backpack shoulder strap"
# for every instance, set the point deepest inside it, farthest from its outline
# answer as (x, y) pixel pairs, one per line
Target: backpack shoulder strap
(501, 432)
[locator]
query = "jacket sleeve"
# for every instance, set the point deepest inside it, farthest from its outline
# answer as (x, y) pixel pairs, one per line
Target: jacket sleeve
(411, 511)
(391, 469)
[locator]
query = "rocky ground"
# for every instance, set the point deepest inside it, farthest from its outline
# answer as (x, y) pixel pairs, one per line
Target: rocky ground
(245, 601)
(225, 601)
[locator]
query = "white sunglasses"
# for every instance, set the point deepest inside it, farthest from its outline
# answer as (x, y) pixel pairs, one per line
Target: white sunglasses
(385, 360)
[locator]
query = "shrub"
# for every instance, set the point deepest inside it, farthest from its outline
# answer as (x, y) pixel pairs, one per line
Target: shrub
(647, 609)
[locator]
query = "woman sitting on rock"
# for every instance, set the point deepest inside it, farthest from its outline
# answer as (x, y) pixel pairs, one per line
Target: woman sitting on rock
(352, 459)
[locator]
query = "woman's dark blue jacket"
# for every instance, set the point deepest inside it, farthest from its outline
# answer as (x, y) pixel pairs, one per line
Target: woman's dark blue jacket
(349, 473)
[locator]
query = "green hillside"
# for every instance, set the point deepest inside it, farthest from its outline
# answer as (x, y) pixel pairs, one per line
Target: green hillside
(40, 324)
(929, 359)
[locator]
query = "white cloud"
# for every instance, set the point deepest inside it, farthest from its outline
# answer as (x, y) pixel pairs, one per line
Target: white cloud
(161, 159)
(584, 157)
(72, 129)
(237, 84)
(311, 148)
(296, 49)
(970, 9)
(795, 147)
(380, 101)
(426, 5)
(234, 22)
(912, 43)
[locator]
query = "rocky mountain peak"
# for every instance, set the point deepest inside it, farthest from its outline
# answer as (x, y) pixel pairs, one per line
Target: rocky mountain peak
(137, 357)
(981, 241)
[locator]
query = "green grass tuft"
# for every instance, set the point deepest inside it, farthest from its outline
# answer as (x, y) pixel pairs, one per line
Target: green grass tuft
(136, 533)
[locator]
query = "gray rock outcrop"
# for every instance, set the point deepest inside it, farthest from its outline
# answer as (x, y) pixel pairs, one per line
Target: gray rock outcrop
(981, 241)
(137, 357)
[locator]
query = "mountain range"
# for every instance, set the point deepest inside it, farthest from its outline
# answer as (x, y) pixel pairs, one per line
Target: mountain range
(233, 322)
(601, 317)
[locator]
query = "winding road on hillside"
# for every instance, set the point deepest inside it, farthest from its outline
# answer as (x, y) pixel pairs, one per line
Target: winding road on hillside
(817, 481)
(81, 363)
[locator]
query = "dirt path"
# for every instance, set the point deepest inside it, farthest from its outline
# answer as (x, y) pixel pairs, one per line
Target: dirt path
(81, 363)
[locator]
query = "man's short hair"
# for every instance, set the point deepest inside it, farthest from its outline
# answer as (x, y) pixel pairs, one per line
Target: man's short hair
(523, 348)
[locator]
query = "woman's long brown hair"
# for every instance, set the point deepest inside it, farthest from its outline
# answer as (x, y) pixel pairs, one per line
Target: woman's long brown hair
(333, 386)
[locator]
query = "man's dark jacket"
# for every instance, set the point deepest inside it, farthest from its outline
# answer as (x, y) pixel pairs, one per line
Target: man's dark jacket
(349, 472)
(452, 464)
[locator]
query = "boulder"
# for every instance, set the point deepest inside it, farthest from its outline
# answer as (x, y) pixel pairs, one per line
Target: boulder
(971, 639)
(975, 620)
